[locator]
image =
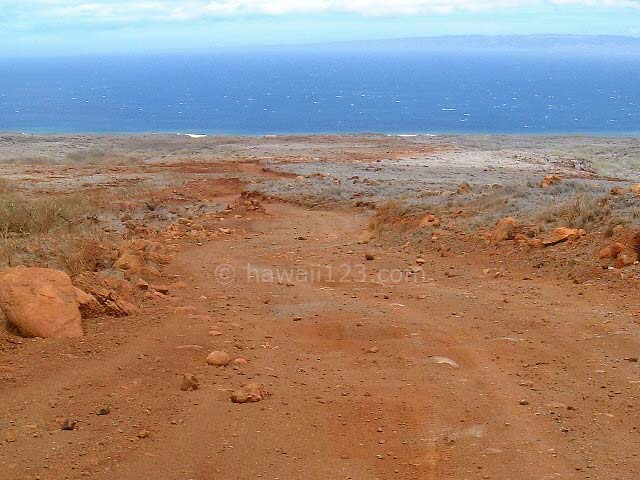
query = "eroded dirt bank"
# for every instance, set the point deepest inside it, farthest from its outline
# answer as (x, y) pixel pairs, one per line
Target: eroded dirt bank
(387, 349)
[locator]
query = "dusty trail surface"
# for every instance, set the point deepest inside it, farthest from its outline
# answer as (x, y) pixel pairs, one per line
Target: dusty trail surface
(441, 374)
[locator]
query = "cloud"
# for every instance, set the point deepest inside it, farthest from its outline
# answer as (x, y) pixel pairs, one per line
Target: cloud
(171, 10)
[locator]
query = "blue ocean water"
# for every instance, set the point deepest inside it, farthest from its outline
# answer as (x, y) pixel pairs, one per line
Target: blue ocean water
(324, 91)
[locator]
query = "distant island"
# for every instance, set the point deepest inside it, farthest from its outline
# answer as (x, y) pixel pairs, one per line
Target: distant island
(508, 43)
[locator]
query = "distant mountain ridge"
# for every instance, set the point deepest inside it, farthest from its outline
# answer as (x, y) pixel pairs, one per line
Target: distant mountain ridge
(557, 43)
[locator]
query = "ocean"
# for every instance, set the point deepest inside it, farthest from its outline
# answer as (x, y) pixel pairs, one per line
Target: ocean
(324, 91)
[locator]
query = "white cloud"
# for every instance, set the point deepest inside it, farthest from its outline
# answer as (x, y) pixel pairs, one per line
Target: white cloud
(167, 10)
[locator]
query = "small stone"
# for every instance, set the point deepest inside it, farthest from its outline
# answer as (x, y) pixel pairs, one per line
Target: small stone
(373, 350)
(250, 393)
(297, 319)
(218, 358)
(9, 437)
(69, 424)
(189, 382)
(523, 402)
(104, 410)
(240, 361)
(143, 434)
(215, 333)
(369, 256)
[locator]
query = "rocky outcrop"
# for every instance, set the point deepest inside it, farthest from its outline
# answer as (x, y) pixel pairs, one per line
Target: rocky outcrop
(562, 234)
(114, 296)
(506, 229)
(40, 302)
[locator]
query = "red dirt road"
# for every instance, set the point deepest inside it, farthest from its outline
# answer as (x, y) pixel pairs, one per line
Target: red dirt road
(373, 372)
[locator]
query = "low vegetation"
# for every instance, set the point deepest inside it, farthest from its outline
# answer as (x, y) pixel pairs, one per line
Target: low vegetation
(49, 229)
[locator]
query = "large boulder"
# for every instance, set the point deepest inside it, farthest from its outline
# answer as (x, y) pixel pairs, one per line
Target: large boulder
(40, 302)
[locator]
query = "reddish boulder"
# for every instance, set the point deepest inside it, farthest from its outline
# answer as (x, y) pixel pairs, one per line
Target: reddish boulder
(40, 302)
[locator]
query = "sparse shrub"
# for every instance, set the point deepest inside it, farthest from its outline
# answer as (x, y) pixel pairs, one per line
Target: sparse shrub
(583, 211)
(97, 157)
(27, 215)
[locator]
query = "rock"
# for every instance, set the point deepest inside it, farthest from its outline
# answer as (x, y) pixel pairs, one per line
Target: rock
(218, 358)
(445, 361)
(163, 289)
(87, 303)
(373, 350)
(142, 285)
(617, 191)
(240, 361)
(420, 261)
(40, 302)
(104, 410)
(130, 262)
(463, 188)
(625, 259)
(9, 437)
(562, 234)
(612, 251)
(114, 295)
(429, 221)
(215, 333)
(143, 434)
(369, 256)
(550, 180)
(250, 393)
(69, 424)
(505, 229)
(189, 382)
(534, 243)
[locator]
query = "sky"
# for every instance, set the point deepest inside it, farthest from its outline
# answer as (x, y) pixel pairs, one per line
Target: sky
(68, 27)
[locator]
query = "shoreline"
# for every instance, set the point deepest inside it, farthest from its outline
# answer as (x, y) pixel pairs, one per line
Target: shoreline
(207, 134)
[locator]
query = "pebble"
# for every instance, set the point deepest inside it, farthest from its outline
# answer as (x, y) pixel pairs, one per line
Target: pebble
(69, 424)
(189, 382)
(369, 256)
(218, 358)
(104, 410)
(250, 393)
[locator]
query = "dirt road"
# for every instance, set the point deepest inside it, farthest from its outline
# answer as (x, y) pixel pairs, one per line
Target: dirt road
(374, 371)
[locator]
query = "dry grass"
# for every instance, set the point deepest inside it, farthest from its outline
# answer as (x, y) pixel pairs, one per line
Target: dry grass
(51, 230)
(96, 156)
(23, 215)
(393, 215)
(584, 211)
